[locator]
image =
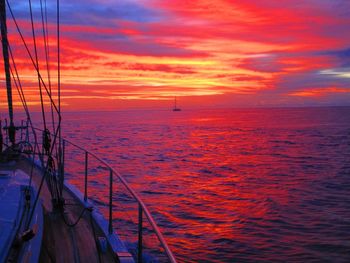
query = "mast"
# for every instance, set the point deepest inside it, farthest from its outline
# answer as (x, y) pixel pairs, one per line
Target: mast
(5, 53)
(175, 103)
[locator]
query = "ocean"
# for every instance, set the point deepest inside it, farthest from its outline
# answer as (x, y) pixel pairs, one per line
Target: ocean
(225, 185)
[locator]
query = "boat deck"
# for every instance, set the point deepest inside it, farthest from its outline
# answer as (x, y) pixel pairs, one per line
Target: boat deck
(62, 243)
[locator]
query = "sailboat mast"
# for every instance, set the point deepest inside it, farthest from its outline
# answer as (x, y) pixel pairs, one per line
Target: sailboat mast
(5, 53)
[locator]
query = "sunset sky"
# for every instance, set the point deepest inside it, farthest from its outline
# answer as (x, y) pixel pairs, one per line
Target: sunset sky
(142, 53)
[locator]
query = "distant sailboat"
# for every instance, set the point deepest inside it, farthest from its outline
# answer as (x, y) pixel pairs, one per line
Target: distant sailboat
(175, 106)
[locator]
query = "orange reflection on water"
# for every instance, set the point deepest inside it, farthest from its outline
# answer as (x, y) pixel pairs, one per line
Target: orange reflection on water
(226, 185)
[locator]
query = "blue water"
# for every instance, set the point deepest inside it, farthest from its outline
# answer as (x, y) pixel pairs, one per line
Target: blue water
(230, 185)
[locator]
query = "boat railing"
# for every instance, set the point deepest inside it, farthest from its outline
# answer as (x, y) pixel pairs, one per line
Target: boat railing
(142, 208)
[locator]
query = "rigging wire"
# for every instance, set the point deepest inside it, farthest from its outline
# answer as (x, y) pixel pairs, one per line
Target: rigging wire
(45, 30)
(57, 194)
(54, 185)
(25, 106)
(58, 58)
(22, 97)
(37, 63)
(30, 55)
(60, 153)
(46, 133)
(41, 81)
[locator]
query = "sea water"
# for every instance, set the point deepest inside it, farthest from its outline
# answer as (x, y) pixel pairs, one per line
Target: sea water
(226, 185)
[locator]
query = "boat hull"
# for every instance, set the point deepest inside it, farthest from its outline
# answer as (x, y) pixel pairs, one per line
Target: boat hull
(16, 200)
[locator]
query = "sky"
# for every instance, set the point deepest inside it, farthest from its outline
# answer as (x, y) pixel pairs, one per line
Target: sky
(209, 53)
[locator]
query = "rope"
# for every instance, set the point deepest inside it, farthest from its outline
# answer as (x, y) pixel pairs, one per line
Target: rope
(77, 221)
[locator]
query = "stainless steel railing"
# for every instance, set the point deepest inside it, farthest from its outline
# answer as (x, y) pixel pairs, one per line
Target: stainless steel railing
(142, 208)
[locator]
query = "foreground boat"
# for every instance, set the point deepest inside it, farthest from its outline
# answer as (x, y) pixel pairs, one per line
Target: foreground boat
(76, 234)
(44, 233)
(42, 217)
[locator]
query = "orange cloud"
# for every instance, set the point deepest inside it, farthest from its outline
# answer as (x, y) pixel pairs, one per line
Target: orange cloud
(193, 49)
(319, 92)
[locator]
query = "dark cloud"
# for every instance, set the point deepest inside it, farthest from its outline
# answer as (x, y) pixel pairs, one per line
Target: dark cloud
(89, 12)
(309, 80)
(342, 55)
